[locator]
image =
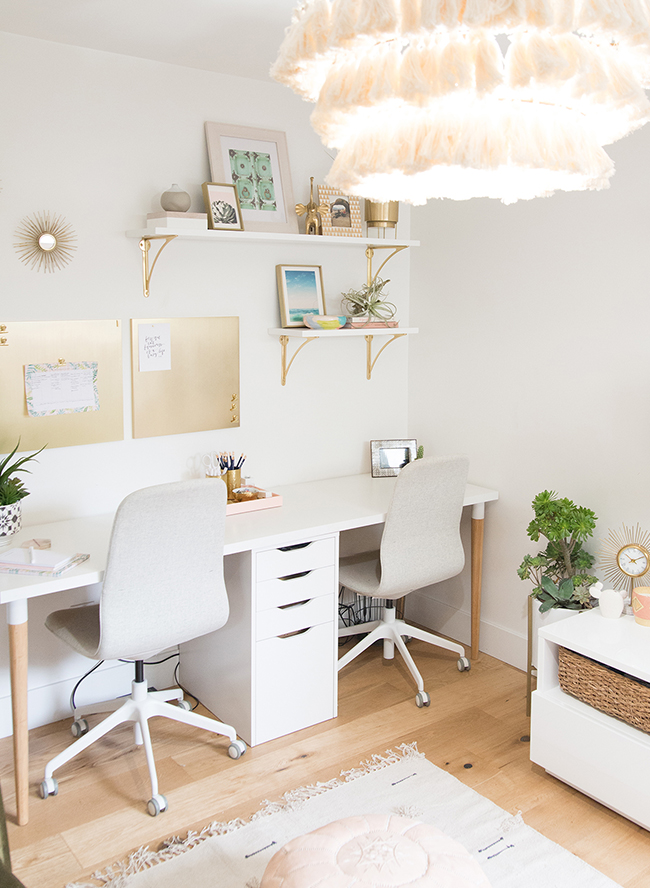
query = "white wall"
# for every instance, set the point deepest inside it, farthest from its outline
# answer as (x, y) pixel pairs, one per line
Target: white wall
(535, 362)
(96, 138)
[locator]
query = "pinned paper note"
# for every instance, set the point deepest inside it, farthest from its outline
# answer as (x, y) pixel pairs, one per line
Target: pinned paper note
(154, 347)
(67, 387)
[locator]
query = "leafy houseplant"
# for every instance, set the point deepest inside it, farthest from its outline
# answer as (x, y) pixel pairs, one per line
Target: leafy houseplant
(12, 489)
(561, 572)
(369, 300)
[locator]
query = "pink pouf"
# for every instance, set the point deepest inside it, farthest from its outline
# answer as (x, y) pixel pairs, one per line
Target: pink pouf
(375, 851)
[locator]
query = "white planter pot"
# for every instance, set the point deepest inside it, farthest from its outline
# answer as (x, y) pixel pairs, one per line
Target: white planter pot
(10, 521)
(546, 619)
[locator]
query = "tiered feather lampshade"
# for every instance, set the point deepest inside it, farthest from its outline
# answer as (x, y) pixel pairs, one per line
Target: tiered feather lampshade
(510, 99)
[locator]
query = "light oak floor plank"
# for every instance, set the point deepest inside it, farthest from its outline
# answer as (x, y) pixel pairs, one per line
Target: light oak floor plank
(475, 728)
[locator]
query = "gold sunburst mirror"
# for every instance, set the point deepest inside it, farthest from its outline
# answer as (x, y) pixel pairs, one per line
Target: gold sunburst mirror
(625, 557)
(45, 242)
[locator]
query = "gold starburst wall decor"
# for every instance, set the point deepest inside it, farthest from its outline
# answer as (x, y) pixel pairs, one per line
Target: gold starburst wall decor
(45, 242)
(625, 557)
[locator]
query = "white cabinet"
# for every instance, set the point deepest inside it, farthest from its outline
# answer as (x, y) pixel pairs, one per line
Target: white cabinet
(600, 755)
(272, 669)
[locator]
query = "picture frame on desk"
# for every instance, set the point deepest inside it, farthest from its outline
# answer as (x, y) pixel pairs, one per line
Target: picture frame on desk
(222, 206)
(256, 162)
(389, 456)
(300, 290)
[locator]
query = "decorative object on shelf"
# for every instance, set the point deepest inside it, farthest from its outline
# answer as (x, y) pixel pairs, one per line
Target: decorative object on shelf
(625, 558)
(175, 200)
(641, 605)
(314, 212)
(561, 572)
(368, 305)
(342, 213)
(256, 161)
(183, 221)
(388, 456)
(382, 216)
(610, 601)
(300, 289)
(325, 322)
(222, 206)
(421, 101)
(12, 491)
(45, 242)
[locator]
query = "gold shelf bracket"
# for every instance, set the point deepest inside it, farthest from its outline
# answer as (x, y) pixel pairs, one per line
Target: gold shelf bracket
(284, 341)
(370, 364)
(147, 271)
(370, 252)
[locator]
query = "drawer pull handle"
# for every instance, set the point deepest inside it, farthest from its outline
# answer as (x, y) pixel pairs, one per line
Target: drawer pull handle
(293, 604)
(297, 632)
(297, 576)
(295, 546)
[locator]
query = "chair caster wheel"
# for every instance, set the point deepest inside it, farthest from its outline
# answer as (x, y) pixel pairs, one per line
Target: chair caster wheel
(236, 749)
(422, 699)
(157, 804)
(79, 727)
(49, 786)
(463, 664)
(184, 704)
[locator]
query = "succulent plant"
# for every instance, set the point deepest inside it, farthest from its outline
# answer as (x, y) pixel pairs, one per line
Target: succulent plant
(12, 489)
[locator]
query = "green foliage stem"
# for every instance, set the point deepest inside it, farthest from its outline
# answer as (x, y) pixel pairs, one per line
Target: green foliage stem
(13, 489)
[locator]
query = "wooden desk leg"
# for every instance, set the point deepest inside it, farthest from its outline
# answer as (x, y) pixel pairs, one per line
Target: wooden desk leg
(478, 522)
(17, 622)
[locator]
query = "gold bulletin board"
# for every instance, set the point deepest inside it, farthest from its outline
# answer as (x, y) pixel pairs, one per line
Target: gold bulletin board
(199, 389)
(54, 342)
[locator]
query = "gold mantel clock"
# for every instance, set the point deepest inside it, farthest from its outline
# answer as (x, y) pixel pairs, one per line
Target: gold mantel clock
(625, 557)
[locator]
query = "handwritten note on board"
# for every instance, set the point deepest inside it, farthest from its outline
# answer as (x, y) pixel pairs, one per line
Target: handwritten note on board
(53, 389)
(154, 347)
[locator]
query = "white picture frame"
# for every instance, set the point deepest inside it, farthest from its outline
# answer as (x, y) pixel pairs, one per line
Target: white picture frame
(256, 161)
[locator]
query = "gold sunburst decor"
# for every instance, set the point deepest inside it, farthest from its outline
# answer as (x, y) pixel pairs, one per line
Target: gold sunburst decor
(45, 242)
(625, 556)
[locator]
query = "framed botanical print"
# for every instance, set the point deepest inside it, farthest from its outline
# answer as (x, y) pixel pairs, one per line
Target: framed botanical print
(300, 290)
(256, 162)
(342, 216)
(222, 206)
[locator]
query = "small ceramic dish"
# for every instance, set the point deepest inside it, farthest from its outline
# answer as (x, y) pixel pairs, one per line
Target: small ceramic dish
(243, 494)
(325, 322)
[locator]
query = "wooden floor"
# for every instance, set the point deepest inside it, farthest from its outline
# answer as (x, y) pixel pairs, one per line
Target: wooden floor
(475, 729)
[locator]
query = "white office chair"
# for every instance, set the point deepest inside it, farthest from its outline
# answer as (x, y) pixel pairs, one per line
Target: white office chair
(420, 545)
(163, 585)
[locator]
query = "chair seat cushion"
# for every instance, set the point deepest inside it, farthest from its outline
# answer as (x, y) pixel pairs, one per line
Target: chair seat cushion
(360, 573)
(375, 851)
(78, 627)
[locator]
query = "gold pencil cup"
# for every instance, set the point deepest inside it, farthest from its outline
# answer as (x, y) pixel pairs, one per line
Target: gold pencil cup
(233, 481)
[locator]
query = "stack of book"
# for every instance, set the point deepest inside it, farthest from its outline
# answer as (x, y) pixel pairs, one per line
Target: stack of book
(40, 562)
(366, 322)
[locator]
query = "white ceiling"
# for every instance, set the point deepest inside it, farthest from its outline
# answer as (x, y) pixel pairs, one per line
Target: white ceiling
(239, 37)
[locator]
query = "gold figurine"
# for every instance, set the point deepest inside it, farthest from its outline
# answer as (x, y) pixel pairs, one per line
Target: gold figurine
(314, 220)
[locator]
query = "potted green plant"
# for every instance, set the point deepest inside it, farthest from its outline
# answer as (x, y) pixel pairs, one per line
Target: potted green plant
(12, 491)
(561, 573)
(368, 304)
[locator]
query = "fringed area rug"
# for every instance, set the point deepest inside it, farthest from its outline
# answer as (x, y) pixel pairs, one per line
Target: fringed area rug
(235, 854)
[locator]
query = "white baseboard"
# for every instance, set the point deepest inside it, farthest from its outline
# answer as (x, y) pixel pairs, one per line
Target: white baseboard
(505, 645)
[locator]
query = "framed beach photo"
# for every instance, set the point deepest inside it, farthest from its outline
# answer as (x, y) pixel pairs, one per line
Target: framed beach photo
(342, 216)
(388, 457)
(300, 290)
(222, 206)
(256, 162)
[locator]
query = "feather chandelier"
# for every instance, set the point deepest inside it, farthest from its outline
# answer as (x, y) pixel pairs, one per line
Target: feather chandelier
(509, 99)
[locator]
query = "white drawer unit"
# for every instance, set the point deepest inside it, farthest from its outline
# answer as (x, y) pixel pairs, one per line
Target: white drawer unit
(596, 753)
(272, 669)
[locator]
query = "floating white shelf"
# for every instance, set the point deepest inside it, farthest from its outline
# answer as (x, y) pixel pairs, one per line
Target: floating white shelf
(308, 335)
(259, 236)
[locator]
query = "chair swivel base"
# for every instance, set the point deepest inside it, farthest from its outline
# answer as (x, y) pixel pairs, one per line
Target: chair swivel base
(393, 632)
(138, 708)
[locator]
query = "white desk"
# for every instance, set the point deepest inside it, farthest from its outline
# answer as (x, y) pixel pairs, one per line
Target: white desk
(310, 508)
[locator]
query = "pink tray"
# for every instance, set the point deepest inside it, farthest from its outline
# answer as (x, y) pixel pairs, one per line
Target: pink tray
(268, 502)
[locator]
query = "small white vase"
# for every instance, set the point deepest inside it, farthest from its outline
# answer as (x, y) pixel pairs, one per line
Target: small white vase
(10, 522)
(175, 200)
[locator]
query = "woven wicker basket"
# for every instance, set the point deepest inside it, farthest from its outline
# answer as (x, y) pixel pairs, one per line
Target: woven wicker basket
(606, 689)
